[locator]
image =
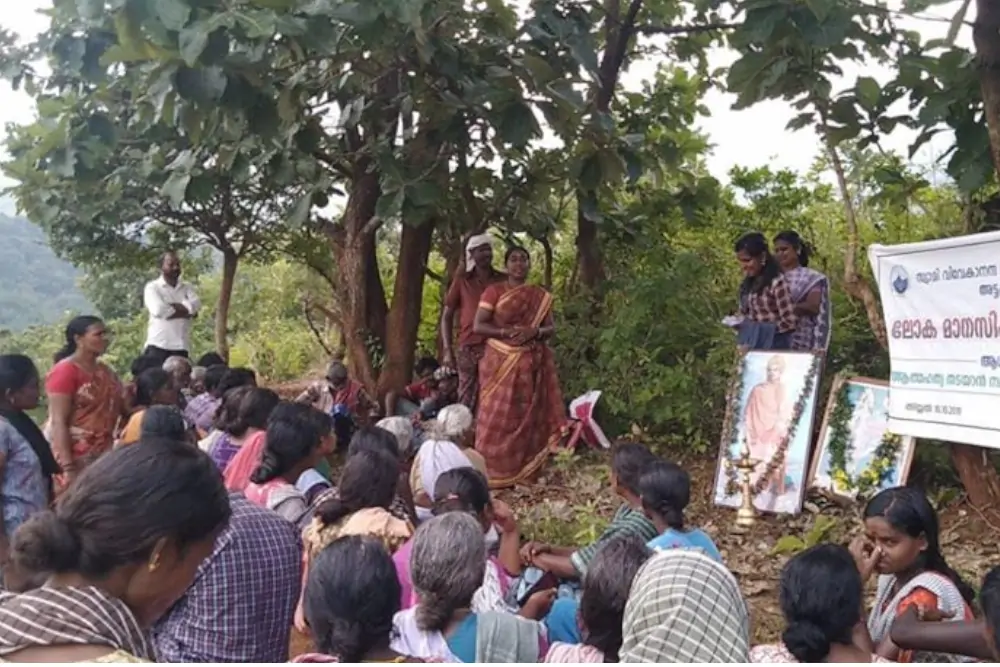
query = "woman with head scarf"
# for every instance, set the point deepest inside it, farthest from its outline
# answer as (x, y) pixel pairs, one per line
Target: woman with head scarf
(685, 607)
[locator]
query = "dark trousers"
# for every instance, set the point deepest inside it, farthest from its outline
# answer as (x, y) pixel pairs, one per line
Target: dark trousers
(163, 355)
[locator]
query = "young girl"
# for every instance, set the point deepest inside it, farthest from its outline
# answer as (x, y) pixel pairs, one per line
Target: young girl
(153, 387)
(665, 490)
(901, 545)
(242, 418)
(295, 440)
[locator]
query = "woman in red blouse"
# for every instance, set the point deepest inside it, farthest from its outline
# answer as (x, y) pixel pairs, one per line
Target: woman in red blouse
(767, 312)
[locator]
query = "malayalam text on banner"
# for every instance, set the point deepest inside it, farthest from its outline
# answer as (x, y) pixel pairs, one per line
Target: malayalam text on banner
(941, 301)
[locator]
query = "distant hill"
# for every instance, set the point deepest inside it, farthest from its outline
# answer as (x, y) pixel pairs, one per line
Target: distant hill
(36, 287)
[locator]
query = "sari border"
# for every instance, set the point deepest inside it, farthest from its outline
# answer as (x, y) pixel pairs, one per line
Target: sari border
(533, 466)
(513, 355)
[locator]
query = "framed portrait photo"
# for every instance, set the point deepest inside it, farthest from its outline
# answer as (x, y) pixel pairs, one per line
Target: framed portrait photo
(770, 411)
(855, 428)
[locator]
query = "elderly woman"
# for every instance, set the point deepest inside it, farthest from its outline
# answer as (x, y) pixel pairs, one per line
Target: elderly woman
(685, 607)
(451, 438)
(180, 371)
(447, 566)
(124, 541)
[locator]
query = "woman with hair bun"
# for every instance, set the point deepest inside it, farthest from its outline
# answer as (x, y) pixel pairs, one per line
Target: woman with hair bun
(665, 490)
(123, 543)
(350, 599)
(810, 293)
(822, 600)
(85, 399)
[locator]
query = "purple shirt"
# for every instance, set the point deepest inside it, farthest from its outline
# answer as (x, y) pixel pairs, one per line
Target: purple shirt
(201, 410)
(222, 451)
(242, 602)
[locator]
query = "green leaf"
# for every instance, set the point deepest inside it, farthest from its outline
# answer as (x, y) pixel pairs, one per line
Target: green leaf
(838, 135)
(173, 14)
(820, 8)
(274, 4)
(390, 204)
(193, 40)
(90, 9)
(518, 125)
(787, 545)
(868, 92)
(207, 84)
(175, 188)
(300, 213)
(425, 193)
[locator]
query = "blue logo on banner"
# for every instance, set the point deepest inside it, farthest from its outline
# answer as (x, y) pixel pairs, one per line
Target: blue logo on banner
(900, 279)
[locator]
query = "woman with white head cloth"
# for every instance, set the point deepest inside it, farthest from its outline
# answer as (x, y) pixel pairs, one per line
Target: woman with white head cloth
(463, 299)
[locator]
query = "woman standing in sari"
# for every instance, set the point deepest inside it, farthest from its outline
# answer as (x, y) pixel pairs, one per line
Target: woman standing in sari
(85, 400)
(810, 293)
(521, 411)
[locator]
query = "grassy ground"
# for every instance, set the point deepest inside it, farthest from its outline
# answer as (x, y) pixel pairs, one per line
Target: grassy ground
(571, 502)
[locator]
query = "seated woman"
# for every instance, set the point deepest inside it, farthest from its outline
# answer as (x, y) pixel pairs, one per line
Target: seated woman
(125, 540)
(447, 566)
(466, 490)
(297, 435)
(376, 439)
(153, 387)
(350, 599)
(165, 422)
(435, 458)
(685, 607)
(822, 599)
(241, 419)
(407, 402)
(402, 429)
(665, 490)
(595, 634)
(366, 489)
(628, 461)
(442, 393)
(901, 544)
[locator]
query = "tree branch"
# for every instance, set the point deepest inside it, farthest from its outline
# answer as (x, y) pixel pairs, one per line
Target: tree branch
(685, 29)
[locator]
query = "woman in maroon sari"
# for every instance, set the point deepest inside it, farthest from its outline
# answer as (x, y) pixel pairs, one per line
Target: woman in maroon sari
(521, 411)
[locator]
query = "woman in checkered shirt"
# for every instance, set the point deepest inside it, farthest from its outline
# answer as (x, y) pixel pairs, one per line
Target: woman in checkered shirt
(767, 318)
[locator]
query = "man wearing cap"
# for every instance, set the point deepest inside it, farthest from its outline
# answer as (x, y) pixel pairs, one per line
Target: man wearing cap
(463, 298)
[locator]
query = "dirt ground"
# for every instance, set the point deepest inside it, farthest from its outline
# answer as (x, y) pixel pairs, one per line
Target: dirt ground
(570, 503)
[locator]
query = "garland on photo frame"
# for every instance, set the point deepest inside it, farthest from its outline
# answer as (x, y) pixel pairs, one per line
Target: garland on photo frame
(841, 450)
(732, 429)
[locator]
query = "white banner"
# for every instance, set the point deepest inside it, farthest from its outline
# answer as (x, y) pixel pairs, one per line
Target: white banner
(941, 301)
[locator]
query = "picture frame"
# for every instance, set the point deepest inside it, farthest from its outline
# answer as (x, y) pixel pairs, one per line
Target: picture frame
(770, 409)
(873, 426)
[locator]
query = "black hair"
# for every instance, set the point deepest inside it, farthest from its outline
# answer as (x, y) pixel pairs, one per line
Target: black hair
(121, 506)
(821, 596)
(293, 434)
(755, 245)
(461, 490)
(351, 595)
(665, 489)
(236, 377)
(908, 510)
(425, 364)
(213, 377)
(515, 248)
(802, 249)
(628, 461)
(143, 363)
(210, 359)
(16, 371)
(150, 382)
(606, 587)
(368, 480)
(77, 326)
(244, 408)
(163, 422)
(373, 438)
(989, 600)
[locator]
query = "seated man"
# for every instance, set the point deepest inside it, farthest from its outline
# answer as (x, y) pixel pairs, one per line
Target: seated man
(342, 398)
(405, 403)
(241, 604)
(444, 392)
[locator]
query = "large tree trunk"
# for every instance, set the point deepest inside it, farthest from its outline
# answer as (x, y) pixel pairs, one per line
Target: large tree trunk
(986, 37)
(230, 261)
(376, 308)
(407, 302)
(976, 472)
(352, 243)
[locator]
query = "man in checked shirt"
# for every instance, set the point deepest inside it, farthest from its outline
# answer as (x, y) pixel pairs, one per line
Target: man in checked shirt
(241, 604)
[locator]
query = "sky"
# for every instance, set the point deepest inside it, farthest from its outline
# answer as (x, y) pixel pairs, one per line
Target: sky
(751, 137)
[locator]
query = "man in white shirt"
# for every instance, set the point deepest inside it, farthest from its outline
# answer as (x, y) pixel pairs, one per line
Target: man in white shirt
(172, 304)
